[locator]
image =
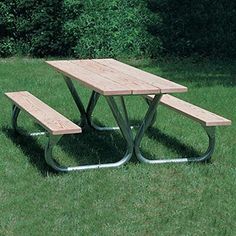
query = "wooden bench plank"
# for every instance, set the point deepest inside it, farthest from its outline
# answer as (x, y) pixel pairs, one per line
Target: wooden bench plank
(50, 119)
(166, 86)
(132, 83)
(92, 80)
(199, 114)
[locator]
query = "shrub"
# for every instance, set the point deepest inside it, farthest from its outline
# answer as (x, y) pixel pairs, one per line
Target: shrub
(7, 47)
(206, 27)
(103, 28)
(39, 26)
(117, 28)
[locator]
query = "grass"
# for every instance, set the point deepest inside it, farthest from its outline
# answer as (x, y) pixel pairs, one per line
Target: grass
(137, 199)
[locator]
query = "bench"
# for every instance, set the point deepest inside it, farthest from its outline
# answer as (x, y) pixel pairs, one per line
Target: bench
(206, 118)
(53, 122)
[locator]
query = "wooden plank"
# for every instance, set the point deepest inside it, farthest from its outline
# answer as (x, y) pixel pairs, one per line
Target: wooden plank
(166, 86)
(136, 86)
(90, 79)
(199, 114)
(50, 119)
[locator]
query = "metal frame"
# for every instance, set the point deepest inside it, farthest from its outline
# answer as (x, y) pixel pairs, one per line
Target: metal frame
(120, 117)
(149, 121)
(154, 115)
(122, 121)
(15, 113)
(86, 121)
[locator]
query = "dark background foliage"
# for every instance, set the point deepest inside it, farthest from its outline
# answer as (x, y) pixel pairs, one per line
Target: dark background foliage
(117, 28)
(206, 27)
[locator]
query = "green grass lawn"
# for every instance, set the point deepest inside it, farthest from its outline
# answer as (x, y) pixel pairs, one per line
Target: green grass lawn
(137, 199)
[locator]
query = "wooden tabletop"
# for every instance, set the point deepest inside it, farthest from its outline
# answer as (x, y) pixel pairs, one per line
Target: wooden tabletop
(111, 77)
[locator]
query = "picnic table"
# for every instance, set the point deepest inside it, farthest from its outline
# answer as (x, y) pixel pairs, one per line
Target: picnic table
(114, 80)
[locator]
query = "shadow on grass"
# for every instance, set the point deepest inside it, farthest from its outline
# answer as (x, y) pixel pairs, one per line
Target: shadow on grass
(172, 143)
(93, 147)
(31, 148)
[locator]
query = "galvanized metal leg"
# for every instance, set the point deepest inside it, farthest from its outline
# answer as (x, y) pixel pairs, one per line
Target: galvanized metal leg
(91, 105)
(146, 123)
(123, 123)
(155, 114)
(90, 108)
(125, 130)
(52, 142)
(15, 113)
(86, 115)
(78, 102)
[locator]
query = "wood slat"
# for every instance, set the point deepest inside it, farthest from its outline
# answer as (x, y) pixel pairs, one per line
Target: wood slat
(50, 119)
(132, 83)
(199, 114)
(166, 86)
(90, 79)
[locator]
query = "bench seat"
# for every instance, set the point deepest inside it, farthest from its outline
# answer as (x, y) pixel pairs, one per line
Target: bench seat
(51, 120)
(201, 115)
(207, 119)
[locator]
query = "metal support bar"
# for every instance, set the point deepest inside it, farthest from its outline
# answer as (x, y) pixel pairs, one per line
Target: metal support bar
(93, 100)
(148, 120)
(92, 104)
(54, 139)
(86, 115)
(125, 130)
(15, 113)
(146, 123)
(52, 142)
(123, 123)
(124, 110)
(155, 114)
(90, 108)
(78, 102)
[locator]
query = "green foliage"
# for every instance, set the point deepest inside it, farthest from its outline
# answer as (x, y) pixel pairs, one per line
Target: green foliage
(6, 20)
(205, 27)
(7, 47)
(34, 25)
(38, 25)
(117, 28)
(7, 44)
(107, 28)
(81, 28)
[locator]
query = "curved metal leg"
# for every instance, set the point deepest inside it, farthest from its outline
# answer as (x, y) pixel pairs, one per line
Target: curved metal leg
(123, 123)
(86, 115)
(78, 102)
(125, 130)
(15, 113)
(90, 108)
(91, 105)
(52, 142)
(148, 120)
(155, 114)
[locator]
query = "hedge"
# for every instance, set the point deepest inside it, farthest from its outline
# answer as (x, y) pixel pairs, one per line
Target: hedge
(117, 28)
(205, 27)
(107, 28)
